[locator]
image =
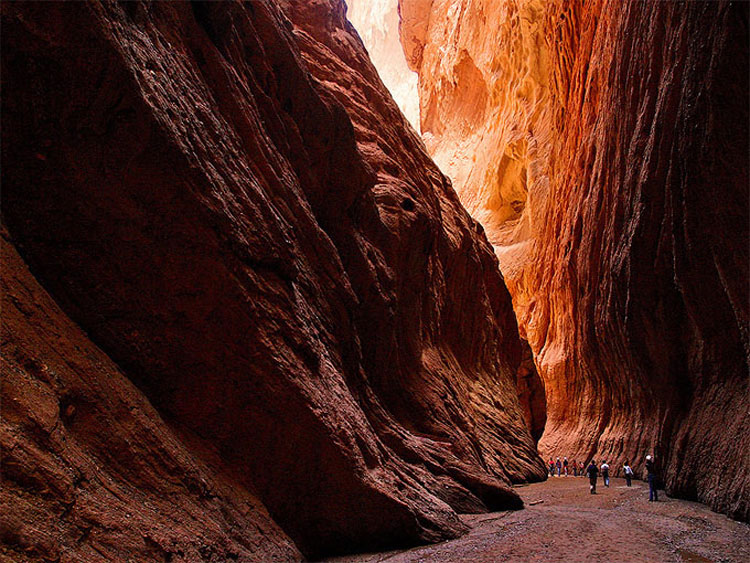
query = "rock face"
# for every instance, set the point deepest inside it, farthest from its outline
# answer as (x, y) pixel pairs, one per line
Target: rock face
(91, 471)
(484, 103)
(531, 394)
(269, 295)
(622, 130)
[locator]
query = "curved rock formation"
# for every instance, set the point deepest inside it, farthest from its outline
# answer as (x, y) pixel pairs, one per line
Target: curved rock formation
(230, 207)
(484, 100)
(621, 128)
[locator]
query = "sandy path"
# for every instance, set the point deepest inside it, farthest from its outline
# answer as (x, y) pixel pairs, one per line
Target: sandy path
(617, 524)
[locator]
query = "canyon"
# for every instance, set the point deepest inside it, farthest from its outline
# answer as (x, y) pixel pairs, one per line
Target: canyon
(245, 316)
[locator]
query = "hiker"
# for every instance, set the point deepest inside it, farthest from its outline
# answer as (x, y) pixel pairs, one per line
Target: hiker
(653, 495)
(575, 468)
(551, 468)
(558, 465)
(565, 466)
(628, 473)
(605, 473)
(583, 469)
(593, 473)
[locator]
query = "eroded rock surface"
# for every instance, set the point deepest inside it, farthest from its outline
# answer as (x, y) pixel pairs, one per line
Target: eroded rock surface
(621, 128)
(91, 472)
(484, 101)
(230, 207)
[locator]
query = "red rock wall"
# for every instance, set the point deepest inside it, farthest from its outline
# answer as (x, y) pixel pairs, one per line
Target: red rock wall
(91, 471)
(633, 294)
(644, 258)
(226, 201)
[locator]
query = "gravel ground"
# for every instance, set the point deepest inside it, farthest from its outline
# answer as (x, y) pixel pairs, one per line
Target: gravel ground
(571, 525)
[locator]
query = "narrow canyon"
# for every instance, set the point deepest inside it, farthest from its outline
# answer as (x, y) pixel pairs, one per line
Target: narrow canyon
(253, 310)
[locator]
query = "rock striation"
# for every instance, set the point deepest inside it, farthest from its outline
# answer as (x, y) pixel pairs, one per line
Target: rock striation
(246, 300)
(621, 129)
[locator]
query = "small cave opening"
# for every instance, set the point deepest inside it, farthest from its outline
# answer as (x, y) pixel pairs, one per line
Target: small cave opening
(408, 204)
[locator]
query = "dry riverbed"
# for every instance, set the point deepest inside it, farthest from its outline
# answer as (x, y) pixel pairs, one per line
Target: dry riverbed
(617, 524)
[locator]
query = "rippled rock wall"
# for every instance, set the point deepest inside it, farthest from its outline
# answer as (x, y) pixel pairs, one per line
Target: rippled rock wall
(604, 146)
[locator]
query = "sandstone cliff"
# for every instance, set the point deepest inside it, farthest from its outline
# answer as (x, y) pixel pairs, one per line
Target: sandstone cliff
(604, 146)
(269, 295)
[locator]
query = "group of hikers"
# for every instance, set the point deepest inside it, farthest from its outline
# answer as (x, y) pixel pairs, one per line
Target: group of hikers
(563, 468)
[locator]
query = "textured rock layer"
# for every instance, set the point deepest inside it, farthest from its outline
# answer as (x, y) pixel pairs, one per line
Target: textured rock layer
(230, 207)
(621, 131)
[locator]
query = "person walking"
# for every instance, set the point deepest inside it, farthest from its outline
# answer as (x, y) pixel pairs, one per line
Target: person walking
(653, 495)
(593, 473)
(575, 468)
(558, 466)
(628, 473)
(551, 467)
(583, 469)
(605, 473)
(565, 466)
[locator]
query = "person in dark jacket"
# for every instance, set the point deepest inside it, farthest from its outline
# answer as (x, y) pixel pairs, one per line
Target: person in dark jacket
(593, 472)
(653, 495)
(558, 466)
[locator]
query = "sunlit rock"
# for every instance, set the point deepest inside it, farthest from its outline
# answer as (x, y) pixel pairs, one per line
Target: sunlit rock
(603, 145)
(377, 22)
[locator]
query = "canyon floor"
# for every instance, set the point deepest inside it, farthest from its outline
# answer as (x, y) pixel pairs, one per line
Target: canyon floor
(616, 524)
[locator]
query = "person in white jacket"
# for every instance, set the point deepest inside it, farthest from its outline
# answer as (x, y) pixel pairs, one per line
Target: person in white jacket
(628, 471)
(605, 473)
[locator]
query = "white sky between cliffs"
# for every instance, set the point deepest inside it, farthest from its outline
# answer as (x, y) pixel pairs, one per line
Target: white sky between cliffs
(376, 21)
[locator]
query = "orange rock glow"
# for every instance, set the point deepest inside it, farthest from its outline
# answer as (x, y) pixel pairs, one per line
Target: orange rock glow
(601, 144)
